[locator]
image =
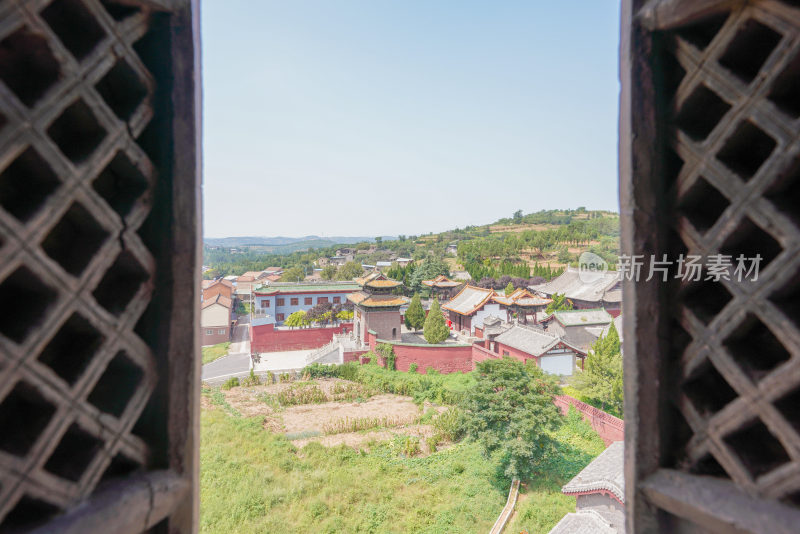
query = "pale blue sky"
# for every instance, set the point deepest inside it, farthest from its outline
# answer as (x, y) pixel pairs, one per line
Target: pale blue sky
(378, 117)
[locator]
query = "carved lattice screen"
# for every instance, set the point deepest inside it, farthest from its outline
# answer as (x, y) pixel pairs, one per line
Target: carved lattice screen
(710, 159)
(99, 202)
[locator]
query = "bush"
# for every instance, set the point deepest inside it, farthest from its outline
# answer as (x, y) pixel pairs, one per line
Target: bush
(296, 395)
(387, 351)
(251, 380)
(232, 382)
(285, 377)
(412, 368)
(449, 425)
(411, 446)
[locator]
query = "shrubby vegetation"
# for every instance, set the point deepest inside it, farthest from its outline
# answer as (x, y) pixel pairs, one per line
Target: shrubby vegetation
(600, 383)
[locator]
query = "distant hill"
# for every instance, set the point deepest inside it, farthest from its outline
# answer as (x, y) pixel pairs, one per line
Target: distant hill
(287, 244)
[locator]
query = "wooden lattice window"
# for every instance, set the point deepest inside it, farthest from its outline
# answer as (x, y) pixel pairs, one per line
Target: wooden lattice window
(99, 211)
(710, 164)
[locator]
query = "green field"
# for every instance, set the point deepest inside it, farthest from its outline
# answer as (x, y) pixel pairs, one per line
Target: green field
(254, 480)
(215, 352)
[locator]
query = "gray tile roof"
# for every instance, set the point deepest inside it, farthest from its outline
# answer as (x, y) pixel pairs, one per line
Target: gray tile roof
(606, 472)
(583, 522)
(528, 339)
(469, 300)
(570, 284)
(583, 317)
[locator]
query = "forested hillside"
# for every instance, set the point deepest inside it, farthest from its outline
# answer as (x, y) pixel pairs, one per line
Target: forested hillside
(538, 244)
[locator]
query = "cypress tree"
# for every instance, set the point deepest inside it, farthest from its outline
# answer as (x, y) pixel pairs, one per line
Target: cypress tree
(435, 330)
(415, 315)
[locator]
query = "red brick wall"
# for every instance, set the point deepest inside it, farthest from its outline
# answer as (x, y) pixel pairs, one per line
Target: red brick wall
(266, 339)
(514, 353)
(608, 427)
(442, 358)
(480, 354)
(353, 356)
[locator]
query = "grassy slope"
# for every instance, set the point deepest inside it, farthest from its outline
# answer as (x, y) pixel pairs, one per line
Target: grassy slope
(543, 504)
(215, 352)
(254, 480)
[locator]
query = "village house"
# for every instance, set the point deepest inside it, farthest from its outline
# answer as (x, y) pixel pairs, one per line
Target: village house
(586, 290)
(215, 320)
(599, 491)
(275, 302)
(211, 288)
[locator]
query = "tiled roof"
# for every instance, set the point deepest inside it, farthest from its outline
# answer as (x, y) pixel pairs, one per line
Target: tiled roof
(604, 473)
(273, 277)
(441, 281)
(301, 287)
(368, 300)
(583, 317)
(383, 283)
(593, 289)
(374, 275)
(205, 284)
(272, 269)
(583, 522)
(469, 300)
(522, 297)
(246, 278)
(217, 299)
(528, 339)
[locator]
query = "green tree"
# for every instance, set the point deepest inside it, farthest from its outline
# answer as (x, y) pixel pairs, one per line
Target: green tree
(517, 217)
(297, 318)
(560, 303)
(435, 329)
(427, 270)
(295, 274)
(601, 379)
(509, 288)
(328, 272)
(510, 412)
(415, 315)
(350, 270)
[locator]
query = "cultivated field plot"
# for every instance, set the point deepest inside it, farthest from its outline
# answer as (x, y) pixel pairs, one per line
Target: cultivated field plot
(332, 412)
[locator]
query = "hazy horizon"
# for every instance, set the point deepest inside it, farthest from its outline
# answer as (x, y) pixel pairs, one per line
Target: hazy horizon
(358, 118)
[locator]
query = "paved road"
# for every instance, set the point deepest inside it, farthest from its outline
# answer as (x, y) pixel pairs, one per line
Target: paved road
(236, 363)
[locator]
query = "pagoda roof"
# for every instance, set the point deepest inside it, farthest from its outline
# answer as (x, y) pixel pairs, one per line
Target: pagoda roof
(369, 277)
(522, 297)
(469, 300)
(368, 300)
(441, 281)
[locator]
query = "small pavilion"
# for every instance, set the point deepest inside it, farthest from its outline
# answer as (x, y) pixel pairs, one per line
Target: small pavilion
(441, 286)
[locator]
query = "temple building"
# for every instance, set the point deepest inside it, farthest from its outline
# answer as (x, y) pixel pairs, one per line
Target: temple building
(523, 305)
(595, 290)
(441, 286)
(581, 328)
(469, 307)
(376, 308)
